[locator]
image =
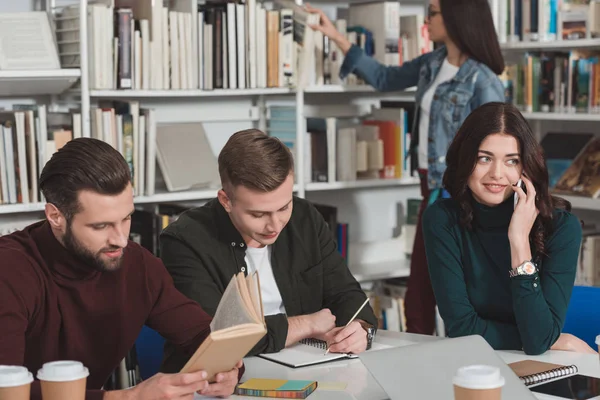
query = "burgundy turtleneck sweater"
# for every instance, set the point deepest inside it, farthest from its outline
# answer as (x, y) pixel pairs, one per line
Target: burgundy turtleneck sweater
(54, 308)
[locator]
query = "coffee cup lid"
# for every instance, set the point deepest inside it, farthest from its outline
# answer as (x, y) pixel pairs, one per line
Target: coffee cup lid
(478, 377)
(598, 339)
(60, 371)
(13, 375)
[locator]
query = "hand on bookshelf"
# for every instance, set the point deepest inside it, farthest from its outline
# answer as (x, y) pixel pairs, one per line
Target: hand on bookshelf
(568, 342)
(347, 339)
(328, 29)
(225, 383)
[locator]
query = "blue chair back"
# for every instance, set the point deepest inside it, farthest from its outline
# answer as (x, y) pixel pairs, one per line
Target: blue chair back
(583, 314)
(149, 351)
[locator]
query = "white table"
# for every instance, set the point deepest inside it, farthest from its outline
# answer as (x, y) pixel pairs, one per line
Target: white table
(360, 385)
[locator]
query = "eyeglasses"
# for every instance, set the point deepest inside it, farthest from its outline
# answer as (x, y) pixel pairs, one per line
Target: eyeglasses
(432, 13)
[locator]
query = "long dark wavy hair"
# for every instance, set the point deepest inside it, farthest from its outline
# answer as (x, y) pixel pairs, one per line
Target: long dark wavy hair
(470, 25)
(462, 155)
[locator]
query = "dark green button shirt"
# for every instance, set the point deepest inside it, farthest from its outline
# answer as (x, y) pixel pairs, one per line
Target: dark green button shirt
(202, 250)
(470, 276)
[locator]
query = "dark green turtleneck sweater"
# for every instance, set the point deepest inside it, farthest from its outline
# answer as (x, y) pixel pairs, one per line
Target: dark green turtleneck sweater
(470, 276)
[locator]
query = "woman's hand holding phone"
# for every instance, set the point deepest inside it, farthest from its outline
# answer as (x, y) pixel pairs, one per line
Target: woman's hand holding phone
(522, 221)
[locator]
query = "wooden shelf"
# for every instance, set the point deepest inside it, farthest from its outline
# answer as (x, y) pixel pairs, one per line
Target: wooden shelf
(360, 184)
(37, 83)
(565, 45)
(562, 116)
(188, 93)
(366, 272)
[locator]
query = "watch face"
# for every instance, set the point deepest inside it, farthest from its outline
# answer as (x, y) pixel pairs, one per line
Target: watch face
(529, 268)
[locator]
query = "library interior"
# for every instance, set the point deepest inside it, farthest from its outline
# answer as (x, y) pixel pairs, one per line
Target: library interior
(347, 199)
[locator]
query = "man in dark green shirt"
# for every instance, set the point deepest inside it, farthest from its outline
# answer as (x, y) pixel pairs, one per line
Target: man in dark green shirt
(256, 224)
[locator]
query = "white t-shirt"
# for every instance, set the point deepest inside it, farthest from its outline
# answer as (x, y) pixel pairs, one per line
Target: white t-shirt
(446, 72)
(259, 259)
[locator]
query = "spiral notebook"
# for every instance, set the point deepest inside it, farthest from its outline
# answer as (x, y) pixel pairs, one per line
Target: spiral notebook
(533, 372)
(310, 352)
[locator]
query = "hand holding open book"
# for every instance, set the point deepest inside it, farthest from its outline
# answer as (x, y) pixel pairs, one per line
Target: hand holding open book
(239, 324)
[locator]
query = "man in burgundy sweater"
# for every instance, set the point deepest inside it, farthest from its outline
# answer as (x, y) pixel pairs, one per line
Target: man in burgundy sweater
(73, 287)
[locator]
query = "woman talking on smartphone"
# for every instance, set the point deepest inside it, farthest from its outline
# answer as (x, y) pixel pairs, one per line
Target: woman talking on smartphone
(502, 257)
(451, 81)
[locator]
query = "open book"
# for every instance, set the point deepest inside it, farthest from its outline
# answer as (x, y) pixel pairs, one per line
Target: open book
(239, 324)
(310, 352)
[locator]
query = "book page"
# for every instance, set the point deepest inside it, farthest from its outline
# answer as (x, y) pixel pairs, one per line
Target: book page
(231, 310)
(253, 287)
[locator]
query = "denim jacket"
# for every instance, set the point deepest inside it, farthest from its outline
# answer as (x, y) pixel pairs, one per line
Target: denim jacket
(474, 84)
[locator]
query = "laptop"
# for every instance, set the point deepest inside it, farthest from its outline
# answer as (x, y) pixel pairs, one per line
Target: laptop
(425, 371)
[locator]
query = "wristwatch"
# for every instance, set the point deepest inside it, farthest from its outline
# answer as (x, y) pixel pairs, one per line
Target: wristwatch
(371, 330)
(527, 268)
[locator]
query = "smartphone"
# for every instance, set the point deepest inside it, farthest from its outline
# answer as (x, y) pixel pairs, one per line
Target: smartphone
(575, 387)
(516, 198)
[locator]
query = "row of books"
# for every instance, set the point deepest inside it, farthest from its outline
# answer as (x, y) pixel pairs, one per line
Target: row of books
(545, 20)
(29, 135)
(588, 266)
(139, 44)
(554, 82)
(347, 149)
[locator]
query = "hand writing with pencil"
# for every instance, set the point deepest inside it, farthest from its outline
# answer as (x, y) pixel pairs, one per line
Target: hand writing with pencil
(351, 338)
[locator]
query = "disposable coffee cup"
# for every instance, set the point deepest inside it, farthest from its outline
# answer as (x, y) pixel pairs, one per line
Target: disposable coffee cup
(63, 380)
(15, 382)
(478, 382)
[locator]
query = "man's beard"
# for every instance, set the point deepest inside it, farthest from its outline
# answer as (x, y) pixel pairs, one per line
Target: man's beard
(87, 257)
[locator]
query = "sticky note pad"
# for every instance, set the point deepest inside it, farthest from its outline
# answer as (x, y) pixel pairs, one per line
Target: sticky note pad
(332, 386)
(263, 384)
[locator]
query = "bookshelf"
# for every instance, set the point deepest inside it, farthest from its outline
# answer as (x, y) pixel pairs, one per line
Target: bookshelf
(244, 105)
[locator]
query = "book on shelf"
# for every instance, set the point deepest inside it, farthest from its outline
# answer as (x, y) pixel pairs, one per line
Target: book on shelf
(582, 177)
(554, 82)
(560, 149)
(588, 264)
(29, 135)
(539, 21)
(143, 45)
(338, 149)
(27, 42)
(237, 326)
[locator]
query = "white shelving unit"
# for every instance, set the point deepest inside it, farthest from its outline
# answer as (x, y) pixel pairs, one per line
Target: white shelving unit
(37, 83)
(361, 184)
(140, 94)
(559, 45)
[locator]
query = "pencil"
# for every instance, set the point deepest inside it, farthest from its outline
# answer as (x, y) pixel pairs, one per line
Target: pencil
(354, 316)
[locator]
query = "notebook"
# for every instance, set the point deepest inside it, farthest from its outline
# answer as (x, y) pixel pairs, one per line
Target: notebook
(237, 326)
(310, 352)
(425, 371)
(279, 388)
(532, 372)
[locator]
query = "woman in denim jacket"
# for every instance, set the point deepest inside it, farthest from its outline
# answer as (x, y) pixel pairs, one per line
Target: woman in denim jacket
(451, 81)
